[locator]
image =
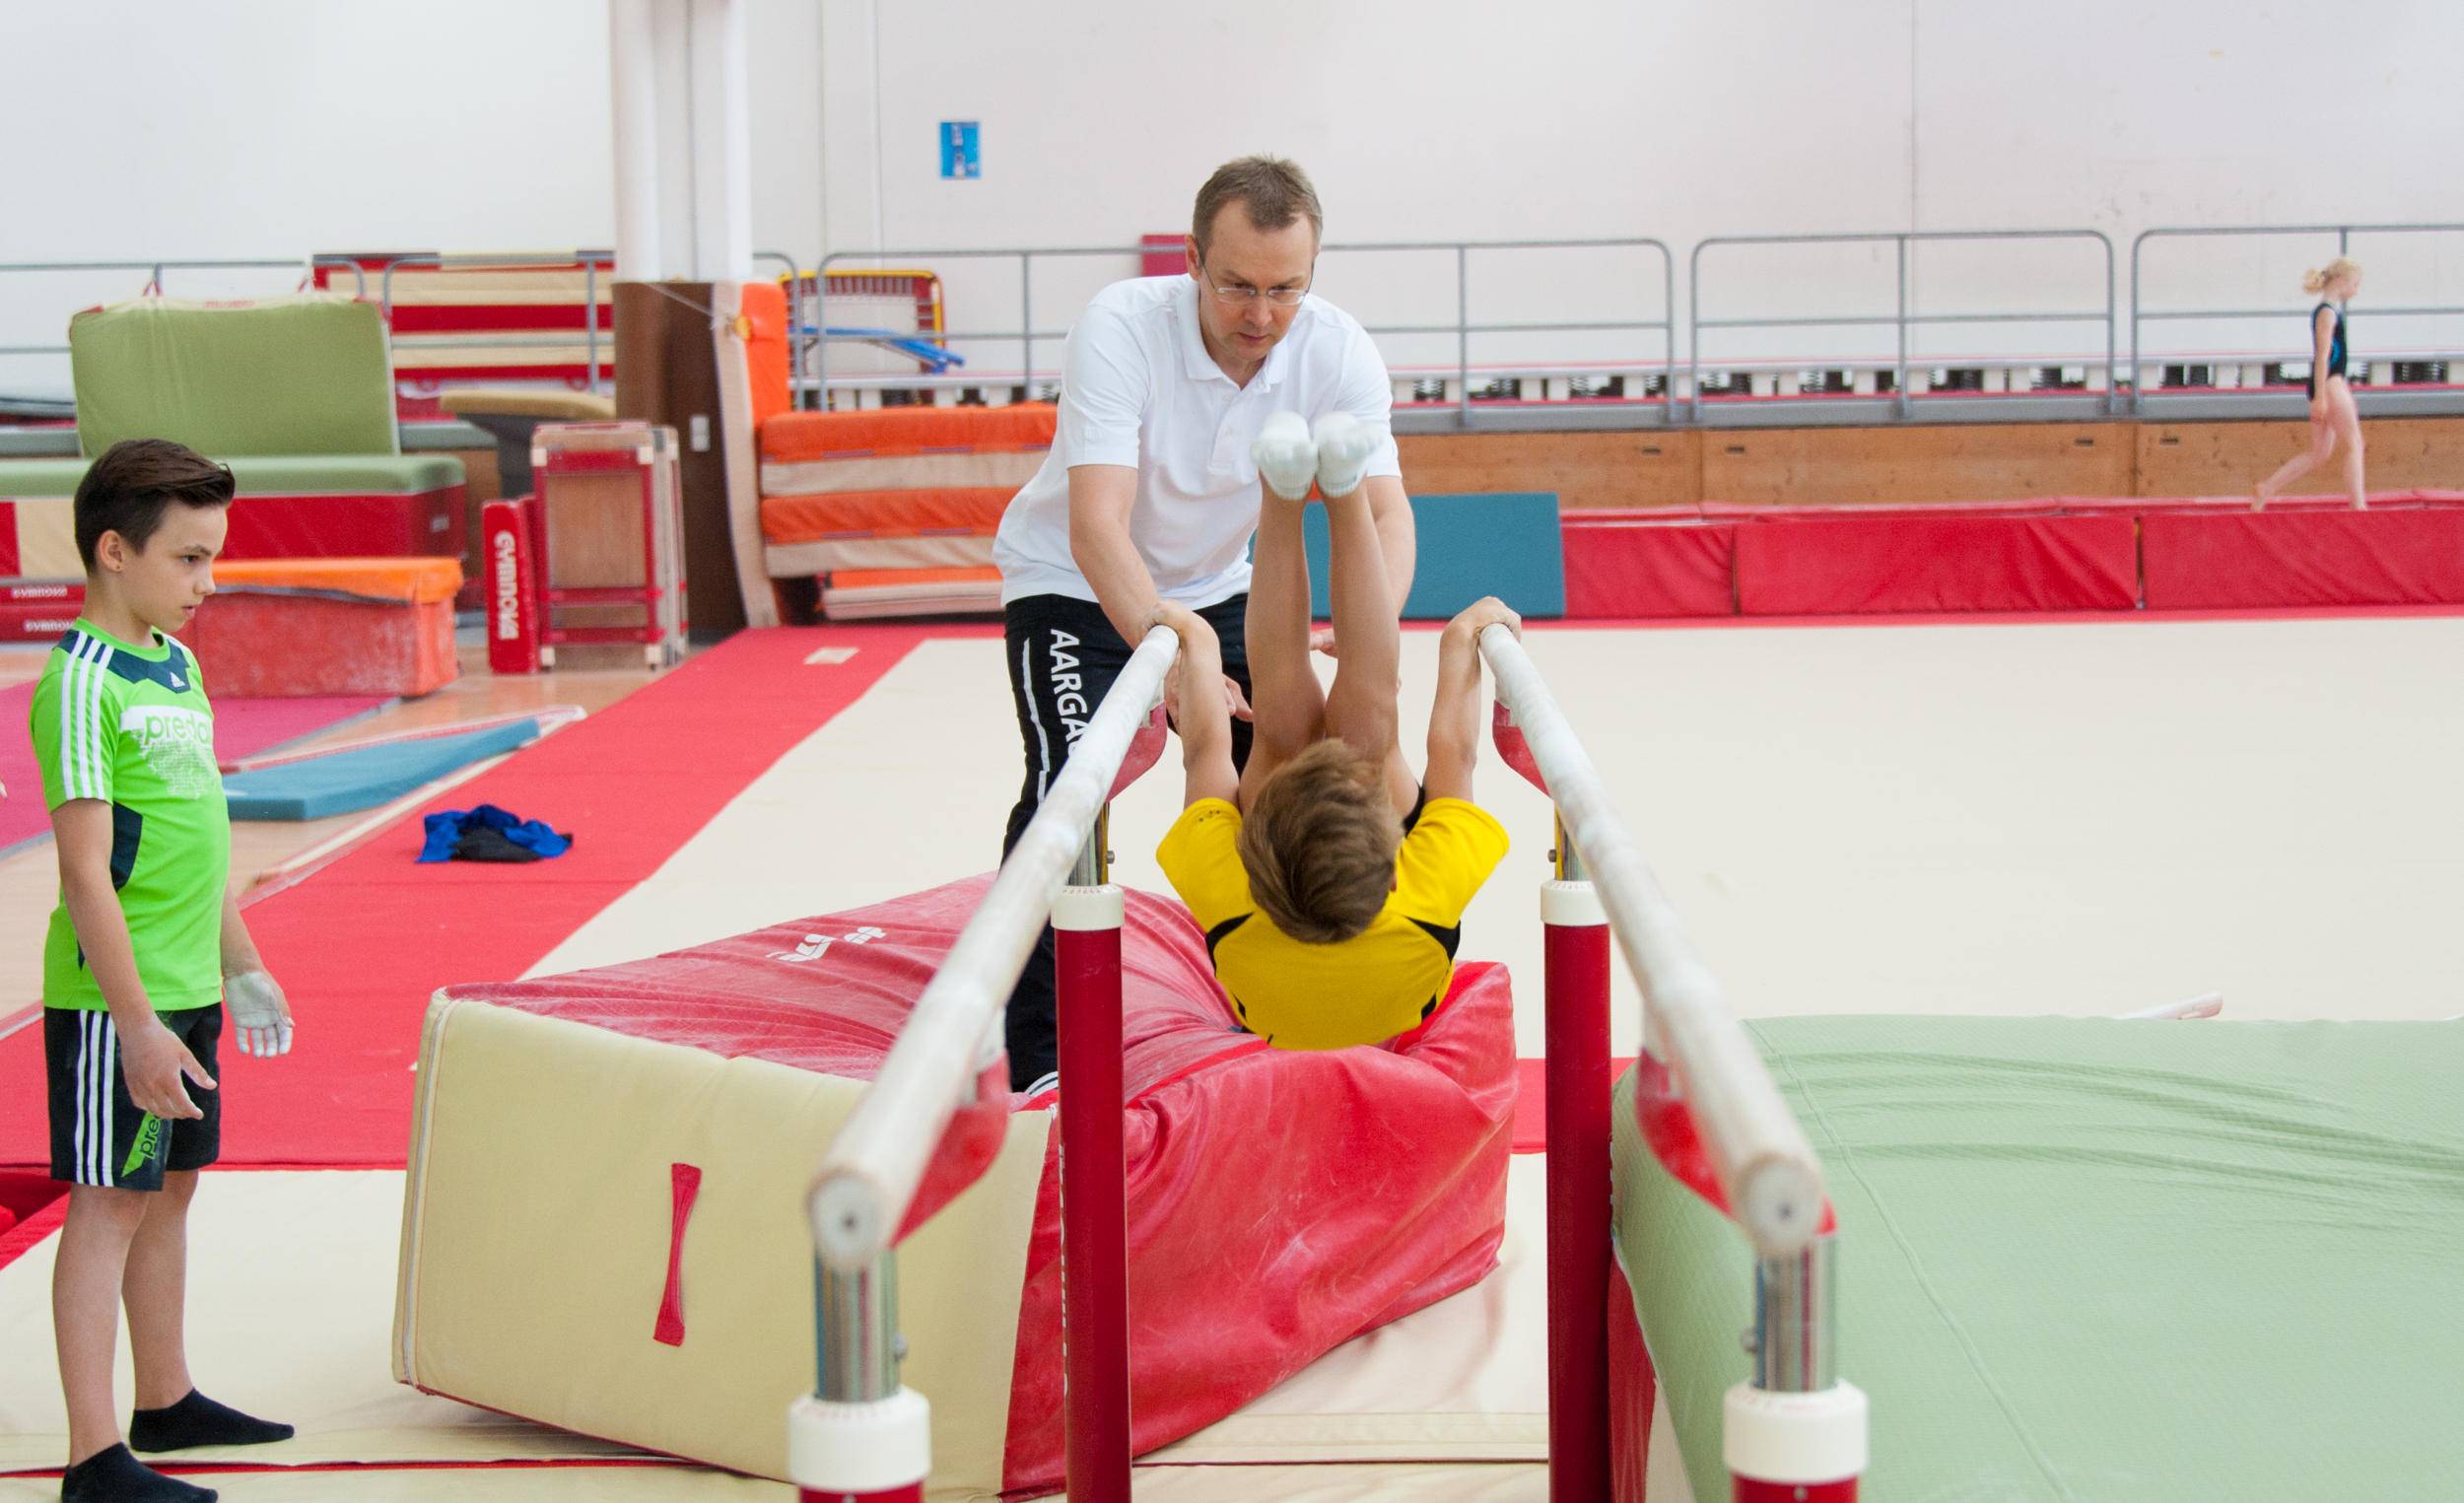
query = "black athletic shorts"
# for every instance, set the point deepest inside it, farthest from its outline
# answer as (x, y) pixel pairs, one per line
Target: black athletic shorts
(98, 1135)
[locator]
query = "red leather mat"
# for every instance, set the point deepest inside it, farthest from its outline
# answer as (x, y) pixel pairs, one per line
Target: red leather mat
(362, 945)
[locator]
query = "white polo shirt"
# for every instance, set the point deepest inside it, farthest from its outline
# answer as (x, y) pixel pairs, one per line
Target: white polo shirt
(1138, 389)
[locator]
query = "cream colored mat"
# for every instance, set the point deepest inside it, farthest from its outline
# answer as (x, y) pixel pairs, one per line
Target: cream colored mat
(1492, 1484)
(292, 1300)
(1465, 1380)
(290, 1316)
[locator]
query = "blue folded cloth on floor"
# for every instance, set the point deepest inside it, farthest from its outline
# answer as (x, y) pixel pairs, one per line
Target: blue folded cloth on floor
(489, 834)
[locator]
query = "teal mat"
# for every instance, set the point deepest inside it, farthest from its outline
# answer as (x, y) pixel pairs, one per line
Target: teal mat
(1504, 544)
(2103, 1261)
(348, 780)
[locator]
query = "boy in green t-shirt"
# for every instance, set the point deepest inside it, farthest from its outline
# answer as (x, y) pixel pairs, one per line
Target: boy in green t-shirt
(142, 952)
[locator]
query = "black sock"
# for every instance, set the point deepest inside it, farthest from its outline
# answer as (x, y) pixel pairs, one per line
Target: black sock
(115, 1476)
(197, 1420)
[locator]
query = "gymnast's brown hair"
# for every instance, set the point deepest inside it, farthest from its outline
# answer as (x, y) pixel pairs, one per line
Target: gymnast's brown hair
(1318, 845)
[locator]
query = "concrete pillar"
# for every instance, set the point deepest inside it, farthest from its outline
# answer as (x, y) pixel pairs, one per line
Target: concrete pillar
(634, 75)
(722, 144)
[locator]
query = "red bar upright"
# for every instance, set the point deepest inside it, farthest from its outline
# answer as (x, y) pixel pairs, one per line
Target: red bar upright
(1576, 969)
(1748, 1491)
(1094, 1195)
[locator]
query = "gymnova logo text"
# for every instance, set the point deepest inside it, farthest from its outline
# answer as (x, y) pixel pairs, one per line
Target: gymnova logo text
(509, 626)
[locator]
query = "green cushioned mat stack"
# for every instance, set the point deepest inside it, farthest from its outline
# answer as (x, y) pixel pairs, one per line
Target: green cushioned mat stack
(2087, 1261)
(264, 475)
(309, 373)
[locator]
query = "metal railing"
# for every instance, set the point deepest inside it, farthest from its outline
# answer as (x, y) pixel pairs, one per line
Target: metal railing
(590, 260)
(2141, 315)
(812, 356)
(306, 266)
(385, 266)
(1901, 319)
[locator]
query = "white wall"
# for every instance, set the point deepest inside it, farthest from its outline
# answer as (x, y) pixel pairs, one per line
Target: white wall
(278, 127)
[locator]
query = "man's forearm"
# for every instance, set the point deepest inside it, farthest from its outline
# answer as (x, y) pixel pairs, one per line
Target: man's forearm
(1119, 576)
(1397, 539)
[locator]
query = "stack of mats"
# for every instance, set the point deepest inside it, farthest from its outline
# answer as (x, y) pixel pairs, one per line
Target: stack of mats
(894, 509)
(362, 778)
(443, 316)
(283, 627)
(295, 393)
(38, 610)
(2094, 1261)
(604, 1224)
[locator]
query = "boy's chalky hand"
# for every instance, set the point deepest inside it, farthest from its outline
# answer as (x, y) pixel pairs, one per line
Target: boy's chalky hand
(255, 1002)
(152, 1059)
(1287, 459)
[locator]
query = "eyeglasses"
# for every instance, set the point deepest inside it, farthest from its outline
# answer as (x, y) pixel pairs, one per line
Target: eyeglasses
(1241, 297)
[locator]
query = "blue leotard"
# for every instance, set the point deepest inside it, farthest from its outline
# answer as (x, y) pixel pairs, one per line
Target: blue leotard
(2335, 349)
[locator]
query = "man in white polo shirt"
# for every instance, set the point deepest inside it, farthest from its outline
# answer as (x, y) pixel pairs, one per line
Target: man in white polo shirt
(1150, 492)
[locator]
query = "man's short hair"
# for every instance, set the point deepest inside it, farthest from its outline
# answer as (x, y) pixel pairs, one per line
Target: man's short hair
(1318, 845)
(135, 482)
(1274, 192)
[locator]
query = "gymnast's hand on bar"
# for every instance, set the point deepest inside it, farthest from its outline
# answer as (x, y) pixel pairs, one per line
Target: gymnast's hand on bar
(1484, 613)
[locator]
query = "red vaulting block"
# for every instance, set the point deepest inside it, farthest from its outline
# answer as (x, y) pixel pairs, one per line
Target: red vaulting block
(512, 586)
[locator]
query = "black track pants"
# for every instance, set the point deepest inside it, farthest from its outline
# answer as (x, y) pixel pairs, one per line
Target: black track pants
(1063, 655)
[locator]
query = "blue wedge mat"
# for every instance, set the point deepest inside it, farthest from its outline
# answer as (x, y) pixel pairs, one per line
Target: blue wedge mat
(1504, 544)
(346, 780)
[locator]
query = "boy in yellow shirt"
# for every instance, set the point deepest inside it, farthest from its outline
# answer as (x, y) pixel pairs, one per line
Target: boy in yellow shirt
(1331, 882)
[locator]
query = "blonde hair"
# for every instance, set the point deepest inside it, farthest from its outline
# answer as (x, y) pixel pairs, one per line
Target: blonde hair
(1318, 845)
(2318, 279)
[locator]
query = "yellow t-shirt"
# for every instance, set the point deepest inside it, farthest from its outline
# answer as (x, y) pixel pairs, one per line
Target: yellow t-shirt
(1381, 982)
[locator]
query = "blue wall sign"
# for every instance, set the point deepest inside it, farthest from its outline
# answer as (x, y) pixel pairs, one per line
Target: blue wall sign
(959, 157)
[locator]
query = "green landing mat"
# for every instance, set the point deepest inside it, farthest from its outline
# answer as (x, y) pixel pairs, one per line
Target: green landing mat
(2085, 1261)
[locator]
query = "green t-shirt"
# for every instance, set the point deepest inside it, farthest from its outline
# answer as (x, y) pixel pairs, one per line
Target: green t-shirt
(131, 726)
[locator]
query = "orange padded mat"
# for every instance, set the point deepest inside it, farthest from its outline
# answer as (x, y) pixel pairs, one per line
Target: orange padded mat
(411, 580)
(960, 511)
(795, 436)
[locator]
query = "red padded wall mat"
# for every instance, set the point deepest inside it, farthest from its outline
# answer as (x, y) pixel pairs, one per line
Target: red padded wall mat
(1621, 568)
(2244, 559)
(1858, 565)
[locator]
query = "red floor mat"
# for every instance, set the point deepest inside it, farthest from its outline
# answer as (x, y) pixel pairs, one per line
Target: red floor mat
(241, 728)
(361, 946)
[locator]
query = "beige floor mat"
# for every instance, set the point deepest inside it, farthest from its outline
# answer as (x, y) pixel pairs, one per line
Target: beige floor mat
(1455, 1483)
(290, 1316)
(292, 1301)
(2074, 818)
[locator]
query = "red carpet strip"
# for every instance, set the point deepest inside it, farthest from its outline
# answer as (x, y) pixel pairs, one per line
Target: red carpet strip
(361, 946)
